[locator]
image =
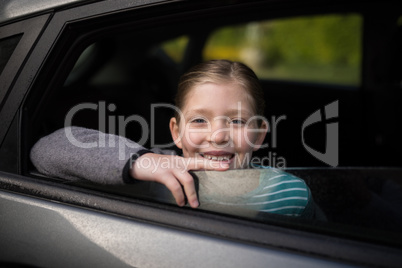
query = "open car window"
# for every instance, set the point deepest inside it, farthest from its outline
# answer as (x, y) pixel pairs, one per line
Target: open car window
(321, 136)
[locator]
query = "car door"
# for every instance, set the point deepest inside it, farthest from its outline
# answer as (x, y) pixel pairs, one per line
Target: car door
(109, 53)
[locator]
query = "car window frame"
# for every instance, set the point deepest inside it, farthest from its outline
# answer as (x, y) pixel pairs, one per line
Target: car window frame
(30, 30)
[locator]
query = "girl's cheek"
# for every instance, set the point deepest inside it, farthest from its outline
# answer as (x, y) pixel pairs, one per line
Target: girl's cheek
(241, 138)
(250, 138)
(237, 136)
(194, 139)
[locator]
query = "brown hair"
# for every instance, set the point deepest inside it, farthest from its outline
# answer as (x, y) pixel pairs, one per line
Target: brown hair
(221, 71)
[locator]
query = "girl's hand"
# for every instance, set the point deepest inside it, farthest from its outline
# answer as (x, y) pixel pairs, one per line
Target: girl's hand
(172, 171)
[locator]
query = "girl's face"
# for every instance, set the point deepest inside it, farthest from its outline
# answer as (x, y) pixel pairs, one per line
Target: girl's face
(218, 123)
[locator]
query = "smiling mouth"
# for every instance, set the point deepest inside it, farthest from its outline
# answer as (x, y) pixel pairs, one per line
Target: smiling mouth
(225, 157)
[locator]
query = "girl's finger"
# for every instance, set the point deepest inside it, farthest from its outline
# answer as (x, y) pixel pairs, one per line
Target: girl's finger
(189, 188)
(175, 188)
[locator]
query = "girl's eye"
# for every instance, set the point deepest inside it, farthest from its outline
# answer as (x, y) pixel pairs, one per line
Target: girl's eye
(237, 121)
(198, 121)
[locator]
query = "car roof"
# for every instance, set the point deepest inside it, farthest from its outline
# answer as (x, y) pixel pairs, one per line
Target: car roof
(14, 9)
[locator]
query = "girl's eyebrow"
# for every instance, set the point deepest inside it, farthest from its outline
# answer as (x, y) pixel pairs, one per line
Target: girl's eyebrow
(231, 112)
(241, 112)
(197, 111)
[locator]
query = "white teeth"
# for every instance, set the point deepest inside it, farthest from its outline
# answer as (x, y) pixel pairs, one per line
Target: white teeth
(216, 158)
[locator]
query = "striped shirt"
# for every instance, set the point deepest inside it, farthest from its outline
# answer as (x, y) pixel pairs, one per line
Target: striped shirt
(278, 192)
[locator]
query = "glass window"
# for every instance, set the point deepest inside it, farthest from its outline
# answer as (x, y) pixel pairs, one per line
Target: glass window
(7, 46)
(364, 201)
(322, 49)
(359, 203)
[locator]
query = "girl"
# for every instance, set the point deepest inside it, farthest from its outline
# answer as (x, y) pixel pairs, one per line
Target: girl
(218, 124)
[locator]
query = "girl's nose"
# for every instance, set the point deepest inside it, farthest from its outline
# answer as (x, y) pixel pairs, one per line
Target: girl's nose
(220, 134)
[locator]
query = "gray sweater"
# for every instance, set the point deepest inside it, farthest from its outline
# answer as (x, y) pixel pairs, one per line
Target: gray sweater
(75, 153)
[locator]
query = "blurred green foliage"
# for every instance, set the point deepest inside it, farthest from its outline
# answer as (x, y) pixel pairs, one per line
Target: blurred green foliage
(325, 49)
(317, 48)
(176, 48)
(316, 40)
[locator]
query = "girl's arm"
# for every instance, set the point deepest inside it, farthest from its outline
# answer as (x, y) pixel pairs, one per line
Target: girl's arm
(75, 153)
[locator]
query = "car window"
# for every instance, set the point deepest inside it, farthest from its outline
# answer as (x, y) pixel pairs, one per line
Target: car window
(363, 201)
(320, 49)
(124, 83)
(7, 46)
(361, 204)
